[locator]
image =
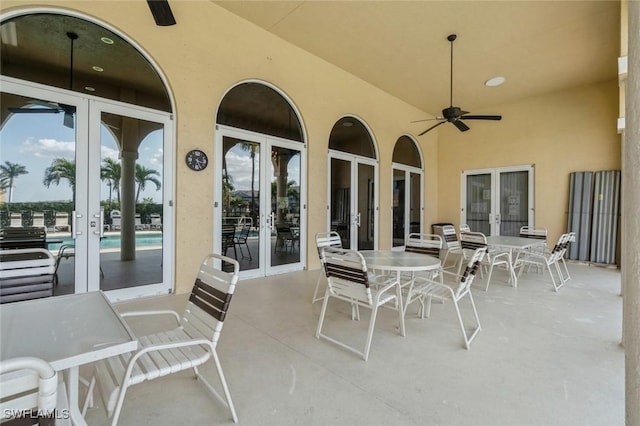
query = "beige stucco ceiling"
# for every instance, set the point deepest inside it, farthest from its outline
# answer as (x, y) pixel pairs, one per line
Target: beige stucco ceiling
(401, 46)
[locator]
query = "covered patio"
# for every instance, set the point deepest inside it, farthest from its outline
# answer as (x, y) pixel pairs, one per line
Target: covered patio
(541, 358)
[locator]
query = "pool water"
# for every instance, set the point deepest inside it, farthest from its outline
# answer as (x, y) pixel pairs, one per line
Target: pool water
(143, 239)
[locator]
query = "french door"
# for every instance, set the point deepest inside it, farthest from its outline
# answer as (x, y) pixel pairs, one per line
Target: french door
(498, 201)
(261, 197)
(353, 208)
(407, 203)
(64, 149)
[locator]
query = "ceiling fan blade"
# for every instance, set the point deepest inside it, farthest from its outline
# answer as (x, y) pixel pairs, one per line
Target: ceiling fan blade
(432, 127)
(482, 117)
(460, 125)
(35, 110)
(427, 119)
(67, 121)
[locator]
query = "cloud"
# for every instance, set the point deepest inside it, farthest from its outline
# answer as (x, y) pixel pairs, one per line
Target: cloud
(49, 148)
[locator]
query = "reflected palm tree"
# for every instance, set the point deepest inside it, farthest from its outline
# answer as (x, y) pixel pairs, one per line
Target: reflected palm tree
(111, 172)
(8, 174)
(61, 168)
(252, 148)
(144, 175)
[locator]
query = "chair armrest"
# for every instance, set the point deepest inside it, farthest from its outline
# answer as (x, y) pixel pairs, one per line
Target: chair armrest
(151, 312)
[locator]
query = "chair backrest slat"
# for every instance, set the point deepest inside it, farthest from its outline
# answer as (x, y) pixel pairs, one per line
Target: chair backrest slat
(346, 273)
(472, 240)
(327, 239)
(28, 385)
(429, 244)
(531, 232)
(450, 236)
(210, 297)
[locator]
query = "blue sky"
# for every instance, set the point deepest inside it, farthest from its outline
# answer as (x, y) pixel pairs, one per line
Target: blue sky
(35, 140)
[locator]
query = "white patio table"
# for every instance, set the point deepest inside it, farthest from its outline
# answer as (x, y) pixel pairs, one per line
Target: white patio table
(398, 262)
(511, 244)
(67, 331)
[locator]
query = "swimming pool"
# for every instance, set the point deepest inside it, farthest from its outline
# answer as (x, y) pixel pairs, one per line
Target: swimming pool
(112, 240)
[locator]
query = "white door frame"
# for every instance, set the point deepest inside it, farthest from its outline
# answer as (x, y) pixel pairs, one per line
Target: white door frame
(355, 160)
(266, 142)
(407, 201)
(96, 108)
(87, 152)
(494, 214)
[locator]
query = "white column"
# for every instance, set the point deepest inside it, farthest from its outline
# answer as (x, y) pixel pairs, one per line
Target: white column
(631, 219)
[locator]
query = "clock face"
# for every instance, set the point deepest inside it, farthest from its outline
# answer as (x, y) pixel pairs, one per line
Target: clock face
(197, 160)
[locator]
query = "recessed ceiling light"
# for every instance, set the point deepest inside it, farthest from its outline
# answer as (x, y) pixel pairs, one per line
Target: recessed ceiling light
(106, 40)
(89, 89)
(97, 68)
(495, 81)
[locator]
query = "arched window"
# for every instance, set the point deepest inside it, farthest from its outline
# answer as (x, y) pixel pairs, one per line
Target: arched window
(350, 135)
(259, 108)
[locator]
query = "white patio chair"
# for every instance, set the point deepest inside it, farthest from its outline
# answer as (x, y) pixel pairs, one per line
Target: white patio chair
(324, 239)
(348, 280)
(465, 228)
(570, 239)
(30, 393)
(189, 345)
(452, 244)
(546, 260)
(425, 288)
(535, 233)
(429, 244)
(470, 241)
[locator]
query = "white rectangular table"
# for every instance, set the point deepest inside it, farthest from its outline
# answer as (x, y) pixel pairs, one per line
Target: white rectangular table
(509, 243)
(67, 331)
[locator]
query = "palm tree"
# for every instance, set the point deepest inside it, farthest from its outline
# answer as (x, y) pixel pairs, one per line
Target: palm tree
(8, 174)
(144, 175)
(61, 168)
(252, 148)
(111, 171)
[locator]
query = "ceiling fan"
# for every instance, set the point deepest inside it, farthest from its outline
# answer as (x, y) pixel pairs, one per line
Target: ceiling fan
(45, 107)
(453, 114)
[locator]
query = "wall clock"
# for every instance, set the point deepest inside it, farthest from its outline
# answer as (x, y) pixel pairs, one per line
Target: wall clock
(197, 160)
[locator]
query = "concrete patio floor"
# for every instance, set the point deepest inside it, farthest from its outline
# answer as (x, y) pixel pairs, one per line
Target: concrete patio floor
(542, 358)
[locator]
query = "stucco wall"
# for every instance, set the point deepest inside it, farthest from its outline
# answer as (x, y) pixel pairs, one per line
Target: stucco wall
(562, 132)
(209, 51)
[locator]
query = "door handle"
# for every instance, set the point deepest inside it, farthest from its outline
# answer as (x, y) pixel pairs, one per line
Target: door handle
(100, 217)
(356, 219)
(74, 224)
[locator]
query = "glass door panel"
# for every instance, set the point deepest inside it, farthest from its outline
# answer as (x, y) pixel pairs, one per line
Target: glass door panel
(38, 174)
(365, 216)
(415, 205)
(498, 201)
(479, 203)
(241, 202)
(128, 221)
(285, 181)
(341, 199)
(514, 206)
(399, 196)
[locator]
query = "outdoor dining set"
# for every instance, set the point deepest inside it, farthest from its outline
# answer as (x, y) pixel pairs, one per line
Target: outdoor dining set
(45, 338)
(396, 279)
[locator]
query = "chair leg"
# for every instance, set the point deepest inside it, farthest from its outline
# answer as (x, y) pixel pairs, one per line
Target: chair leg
(553, 280)
(489, 277)
(248, 250)
(223, 382)
(322, 312)
(315, 297)
(372, 322)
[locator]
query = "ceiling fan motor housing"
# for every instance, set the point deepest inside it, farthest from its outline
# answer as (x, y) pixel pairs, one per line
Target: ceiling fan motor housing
(452, 113)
